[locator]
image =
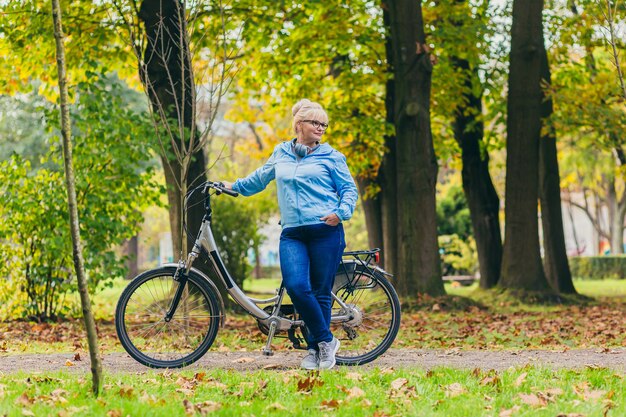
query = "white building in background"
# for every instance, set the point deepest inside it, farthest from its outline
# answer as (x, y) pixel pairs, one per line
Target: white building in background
(166, 252)
(269, 248)
(581, 238)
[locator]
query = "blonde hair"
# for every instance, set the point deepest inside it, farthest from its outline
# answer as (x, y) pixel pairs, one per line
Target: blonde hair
(306, 109)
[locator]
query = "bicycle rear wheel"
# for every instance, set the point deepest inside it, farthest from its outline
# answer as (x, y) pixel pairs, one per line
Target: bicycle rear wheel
(150, 339)
(372, 308)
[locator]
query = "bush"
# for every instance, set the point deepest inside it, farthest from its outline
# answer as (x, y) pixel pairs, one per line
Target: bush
(114, 184)
(458, 256)
(598, 267)
(236, 230)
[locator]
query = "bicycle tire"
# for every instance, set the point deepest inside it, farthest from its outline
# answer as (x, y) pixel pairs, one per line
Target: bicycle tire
(375, 317)
(148, 338)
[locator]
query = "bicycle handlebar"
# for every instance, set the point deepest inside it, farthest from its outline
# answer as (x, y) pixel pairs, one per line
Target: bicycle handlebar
(219, 187)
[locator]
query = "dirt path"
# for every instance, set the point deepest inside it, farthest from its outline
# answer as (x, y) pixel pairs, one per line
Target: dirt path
(395, 358)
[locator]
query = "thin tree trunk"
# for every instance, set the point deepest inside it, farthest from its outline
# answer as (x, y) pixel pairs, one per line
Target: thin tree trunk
(521, 262)
(132, 254)
(168, 80)
(66, 129)
(616, 209)
(480, 192)
(556, 265)
(418, 261)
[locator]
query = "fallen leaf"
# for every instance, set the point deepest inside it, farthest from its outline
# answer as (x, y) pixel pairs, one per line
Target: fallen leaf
(490, 380)
(114, 413)
(24, 399)
(207, 407)
(126, 392)
(509, 412)
(532, 400)
(594, 394)
(399, 383)
(520, 379)
(307, 384)
(27, 412)
(355, 392)
(243, 360)
(355, 376)
(69, 363)
(77, 356)
(329, 405)
(454, 390)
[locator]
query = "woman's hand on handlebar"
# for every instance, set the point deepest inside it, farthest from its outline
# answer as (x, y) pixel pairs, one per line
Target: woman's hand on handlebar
(228, 185)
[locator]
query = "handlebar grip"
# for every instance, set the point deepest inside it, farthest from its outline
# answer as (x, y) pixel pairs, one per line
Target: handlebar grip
(220, 186)
(229, 192)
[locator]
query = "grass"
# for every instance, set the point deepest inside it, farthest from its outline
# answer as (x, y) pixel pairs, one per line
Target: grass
(527, 391)
(614, 288)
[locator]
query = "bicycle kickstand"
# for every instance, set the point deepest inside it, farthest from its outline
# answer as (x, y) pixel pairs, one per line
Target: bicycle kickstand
(267, 350)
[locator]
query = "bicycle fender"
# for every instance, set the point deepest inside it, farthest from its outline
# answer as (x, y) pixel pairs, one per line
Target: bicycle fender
(373, 267)
(211, 284)
(382, 271)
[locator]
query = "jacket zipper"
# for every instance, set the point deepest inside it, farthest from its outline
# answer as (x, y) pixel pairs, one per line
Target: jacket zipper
(295, 182)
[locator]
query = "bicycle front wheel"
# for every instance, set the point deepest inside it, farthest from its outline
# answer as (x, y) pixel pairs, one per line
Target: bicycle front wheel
(159, 343)
(371, 317)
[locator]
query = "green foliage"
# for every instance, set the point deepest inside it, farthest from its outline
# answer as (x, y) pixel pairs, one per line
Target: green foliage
(27, 48)
(598, 267)
(23, 127)
(459, 255)
(456, 244)
(114, 182)
(235, 227)
(453, 216)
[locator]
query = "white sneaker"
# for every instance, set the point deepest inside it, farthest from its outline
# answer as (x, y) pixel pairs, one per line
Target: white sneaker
(327, 353)
(311, 360)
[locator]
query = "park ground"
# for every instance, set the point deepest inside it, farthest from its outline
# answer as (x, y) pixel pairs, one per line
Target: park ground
(467, 354)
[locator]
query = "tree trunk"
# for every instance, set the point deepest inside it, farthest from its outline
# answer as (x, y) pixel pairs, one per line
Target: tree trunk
(521, 262)
(387, 170)
(480, 193)
(168, 79)
(77, 246)
(555, 255)
(373, 221)
(132, 257)
(616, 210)
(418, 263)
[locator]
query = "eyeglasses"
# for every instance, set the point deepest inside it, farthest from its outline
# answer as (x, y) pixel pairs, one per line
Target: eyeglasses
(317, 124)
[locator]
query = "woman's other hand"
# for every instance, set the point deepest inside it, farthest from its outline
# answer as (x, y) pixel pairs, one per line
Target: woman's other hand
(331, 219)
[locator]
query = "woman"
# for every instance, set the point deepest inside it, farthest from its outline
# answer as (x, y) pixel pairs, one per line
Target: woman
(315, 194)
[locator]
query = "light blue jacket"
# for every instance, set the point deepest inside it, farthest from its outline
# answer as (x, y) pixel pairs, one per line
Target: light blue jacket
(308, 188)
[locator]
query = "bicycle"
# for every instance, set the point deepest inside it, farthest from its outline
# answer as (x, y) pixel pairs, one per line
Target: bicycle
(168, 317)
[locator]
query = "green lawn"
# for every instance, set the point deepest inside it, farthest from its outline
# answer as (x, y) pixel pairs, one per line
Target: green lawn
(527, 391)
(592, 288)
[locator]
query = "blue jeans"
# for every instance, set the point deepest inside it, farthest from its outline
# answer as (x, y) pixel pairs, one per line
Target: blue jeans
(309, 257)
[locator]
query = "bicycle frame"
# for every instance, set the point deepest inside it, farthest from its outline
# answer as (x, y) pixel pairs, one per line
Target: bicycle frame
(274, 321)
